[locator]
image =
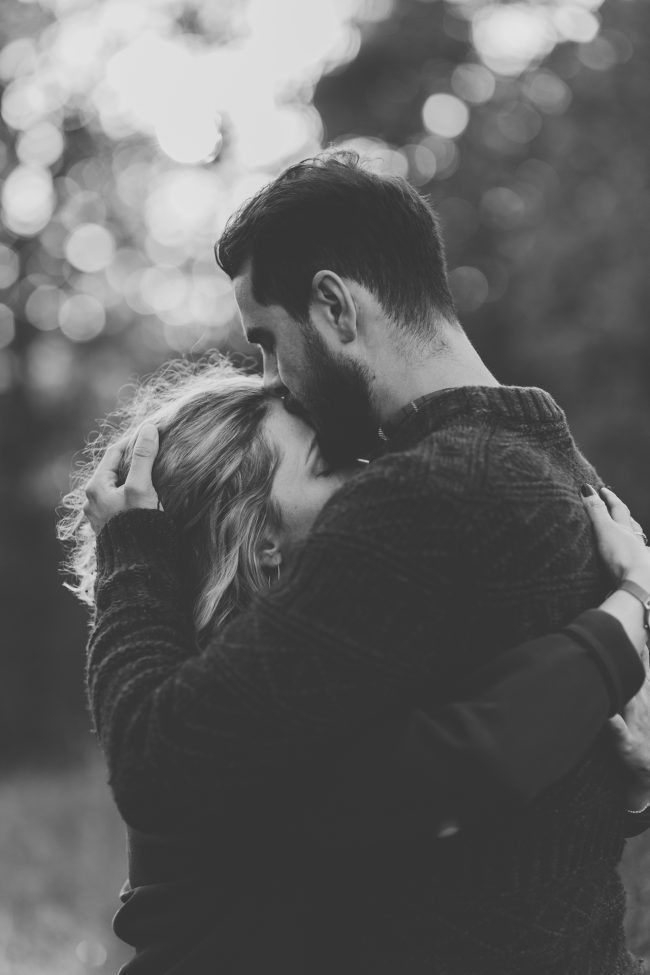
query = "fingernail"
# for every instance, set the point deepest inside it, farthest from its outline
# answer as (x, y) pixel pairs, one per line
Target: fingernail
(586, 490)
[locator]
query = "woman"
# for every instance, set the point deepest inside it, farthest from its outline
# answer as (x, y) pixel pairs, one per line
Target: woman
(245, 479)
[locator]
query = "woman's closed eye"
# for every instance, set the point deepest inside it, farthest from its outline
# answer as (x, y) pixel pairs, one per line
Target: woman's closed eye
(320, 467)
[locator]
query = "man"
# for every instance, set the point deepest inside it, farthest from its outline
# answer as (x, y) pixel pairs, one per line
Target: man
(465, 534)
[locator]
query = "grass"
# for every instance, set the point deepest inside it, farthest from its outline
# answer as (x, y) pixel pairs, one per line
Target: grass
(63, 861)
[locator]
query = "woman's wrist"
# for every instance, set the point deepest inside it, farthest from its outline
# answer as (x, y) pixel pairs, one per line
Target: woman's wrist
(629, 612)
(640, 573)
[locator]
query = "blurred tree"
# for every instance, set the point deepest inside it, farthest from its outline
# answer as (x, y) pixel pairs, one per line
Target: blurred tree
(543, 198)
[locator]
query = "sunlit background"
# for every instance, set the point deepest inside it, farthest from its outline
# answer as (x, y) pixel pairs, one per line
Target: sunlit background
(129, 131)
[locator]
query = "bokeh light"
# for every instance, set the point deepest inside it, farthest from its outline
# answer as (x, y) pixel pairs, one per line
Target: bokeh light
(445, 115)
(81, 317)
(90, 247)
(575, 23)
(469, 287)
(41, 145)
(9, 266)
(42, 307)
(509, 37)
(474, 83)
(27, 200)
(7, 326)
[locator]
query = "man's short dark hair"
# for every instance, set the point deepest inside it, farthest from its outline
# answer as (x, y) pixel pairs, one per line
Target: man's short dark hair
(331, 213)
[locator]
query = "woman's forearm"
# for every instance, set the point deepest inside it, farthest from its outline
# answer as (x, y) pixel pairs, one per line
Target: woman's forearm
(629, 613)
(524, 721)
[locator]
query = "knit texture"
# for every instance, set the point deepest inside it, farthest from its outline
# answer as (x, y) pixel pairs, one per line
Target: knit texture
(466, 537)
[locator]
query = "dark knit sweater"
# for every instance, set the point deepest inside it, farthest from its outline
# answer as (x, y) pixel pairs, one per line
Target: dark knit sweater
(467, 536)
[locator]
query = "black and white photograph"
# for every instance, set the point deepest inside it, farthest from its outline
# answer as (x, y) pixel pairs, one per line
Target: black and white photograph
(325, 480)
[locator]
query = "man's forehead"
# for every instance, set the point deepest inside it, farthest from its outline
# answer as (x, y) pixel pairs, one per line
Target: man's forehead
(243, 288)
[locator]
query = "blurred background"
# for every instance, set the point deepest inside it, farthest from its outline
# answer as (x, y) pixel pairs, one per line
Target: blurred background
(128, 133)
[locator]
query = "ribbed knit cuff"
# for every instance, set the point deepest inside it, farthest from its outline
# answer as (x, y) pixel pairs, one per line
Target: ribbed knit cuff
(611, 650)
(139, 536)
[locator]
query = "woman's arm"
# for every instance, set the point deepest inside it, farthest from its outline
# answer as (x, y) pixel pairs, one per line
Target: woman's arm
(524, 721)
(622, 546)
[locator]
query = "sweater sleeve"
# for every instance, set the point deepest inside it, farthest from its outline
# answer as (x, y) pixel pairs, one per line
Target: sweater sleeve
(300, 673)
(524, 721)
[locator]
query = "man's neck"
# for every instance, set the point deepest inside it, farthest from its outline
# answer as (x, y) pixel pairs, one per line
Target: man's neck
(401, 380)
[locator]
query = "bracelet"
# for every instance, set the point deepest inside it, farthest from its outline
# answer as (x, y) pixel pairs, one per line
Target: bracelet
(637, 812)
(627, 585)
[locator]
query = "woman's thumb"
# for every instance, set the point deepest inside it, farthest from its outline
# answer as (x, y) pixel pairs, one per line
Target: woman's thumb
(145, 450)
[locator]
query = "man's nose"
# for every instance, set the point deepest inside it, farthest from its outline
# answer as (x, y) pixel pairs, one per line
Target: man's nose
(272, 381)
(275, 387)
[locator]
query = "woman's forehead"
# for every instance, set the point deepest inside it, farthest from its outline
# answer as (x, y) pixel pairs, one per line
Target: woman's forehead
(287, 429)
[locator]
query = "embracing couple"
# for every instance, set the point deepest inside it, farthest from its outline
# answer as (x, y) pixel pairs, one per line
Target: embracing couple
(359, 629)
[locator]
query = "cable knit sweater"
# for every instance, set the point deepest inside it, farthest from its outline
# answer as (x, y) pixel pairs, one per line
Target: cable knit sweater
(468, 535)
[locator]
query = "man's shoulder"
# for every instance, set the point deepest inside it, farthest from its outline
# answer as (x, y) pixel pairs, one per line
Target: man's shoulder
(467, 458)
(485, 464)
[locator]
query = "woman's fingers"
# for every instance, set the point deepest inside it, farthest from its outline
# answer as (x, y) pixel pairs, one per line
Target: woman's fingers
(108, 467)
(138, 487)
(596, 507)
(621, 549)
(617, 508)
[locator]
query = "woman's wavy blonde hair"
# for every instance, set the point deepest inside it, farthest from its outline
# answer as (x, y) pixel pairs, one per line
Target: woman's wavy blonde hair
(213, 474)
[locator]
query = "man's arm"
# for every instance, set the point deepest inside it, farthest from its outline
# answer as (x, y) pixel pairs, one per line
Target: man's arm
(303, 672)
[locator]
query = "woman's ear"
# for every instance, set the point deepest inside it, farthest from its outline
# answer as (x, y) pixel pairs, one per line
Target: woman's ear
(332, 306)
(269, 554)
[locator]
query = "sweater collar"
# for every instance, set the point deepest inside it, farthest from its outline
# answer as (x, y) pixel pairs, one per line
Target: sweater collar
(520, 405)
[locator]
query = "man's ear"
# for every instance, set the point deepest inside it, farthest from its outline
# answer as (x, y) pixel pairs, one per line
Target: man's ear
(332, 306)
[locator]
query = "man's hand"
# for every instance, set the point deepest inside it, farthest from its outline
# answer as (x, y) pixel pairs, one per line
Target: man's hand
(105, 499)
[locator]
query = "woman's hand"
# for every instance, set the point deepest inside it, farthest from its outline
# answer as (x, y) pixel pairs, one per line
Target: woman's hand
(620, 539)
(622, 545)
(632, 736)
(105, 498)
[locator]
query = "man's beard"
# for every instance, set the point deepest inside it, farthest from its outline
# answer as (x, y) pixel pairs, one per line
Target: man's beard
(336, 400)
